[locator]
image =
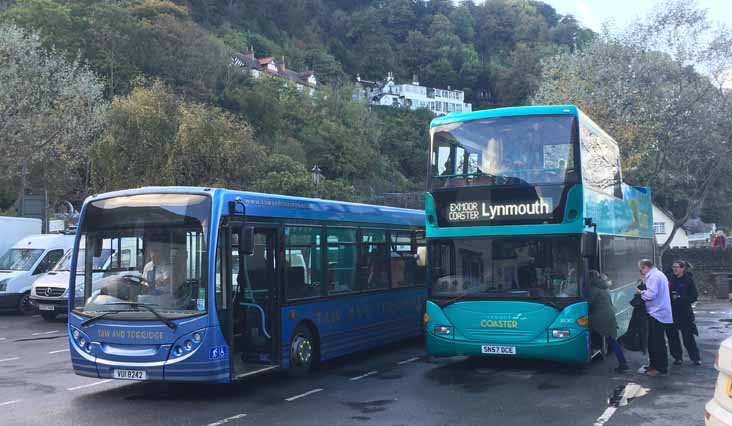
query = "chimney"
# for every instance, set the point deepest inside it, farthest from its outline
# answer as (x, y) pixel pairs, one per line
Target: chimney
(390, 76)
(281, 66)
(250, 53)
(414, 80)
(358, 77)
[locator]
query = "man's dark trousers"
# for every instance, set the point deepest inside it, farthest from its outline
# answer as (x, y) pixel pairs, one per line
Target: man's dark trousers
(657, 345)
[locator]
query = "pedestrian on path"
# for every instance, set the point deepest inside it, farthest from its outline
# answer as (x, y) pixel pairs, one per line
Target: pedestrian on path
(683, 294)
(658, 306)
(602, 316)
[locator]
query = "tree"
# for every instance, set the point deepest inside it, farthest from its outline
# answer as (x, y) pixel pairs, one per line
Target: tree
(656, 88)
(51, 109)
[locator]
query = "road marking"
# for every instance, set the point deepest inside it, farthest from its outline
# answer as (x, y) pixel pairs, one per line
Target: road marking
(302, 395)
(44, 332)
(9, 359)
(227, 420)
(3, 338)
(89, 385)
(407, 361)
(370, 373)
(58, 351)
(518, 375)
(10, 402)
(609, 411)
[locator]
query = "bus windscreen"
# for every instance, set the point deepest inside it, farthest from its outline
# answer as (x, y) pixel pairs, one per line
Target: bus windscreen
(534, 149)
(158, 258)
(505, 267)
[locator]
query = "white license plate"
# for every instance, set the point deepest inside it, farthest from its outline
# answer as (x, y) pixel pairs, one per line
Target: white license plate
(45, 307)
(130, 374)
(498, 350)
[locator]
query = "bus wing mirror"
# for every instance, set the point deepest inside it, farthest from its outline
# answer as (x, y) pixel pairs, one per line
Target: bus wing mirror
(421, 256)
(589, 244)
(246, 240)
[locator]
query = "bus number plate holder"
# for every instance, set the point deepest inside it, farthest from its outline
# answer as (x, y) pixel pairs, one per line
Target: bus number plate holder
(498, 350)
(130, 374)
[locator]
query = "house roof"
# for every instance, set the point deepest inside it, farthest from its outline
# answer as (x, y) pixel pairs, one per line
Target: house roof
(245, 60)
(265, 61)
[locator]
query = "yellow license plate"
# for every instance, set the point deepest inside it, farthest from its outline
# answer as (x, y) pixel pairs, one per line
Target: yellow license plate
(729, 387)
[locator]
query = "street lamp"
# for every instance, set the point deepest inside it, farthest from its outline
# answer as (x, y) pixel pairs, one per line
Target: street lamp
(316, 172)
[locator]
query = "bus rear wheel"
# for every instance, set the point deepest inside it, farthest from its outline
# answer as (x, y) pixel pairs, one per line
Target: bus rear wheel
(303, 351)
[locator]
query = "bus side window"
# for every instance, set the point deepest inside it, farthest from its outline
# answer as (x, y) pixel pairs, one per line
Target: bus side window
(303, 262)
(402, 259)
(374, 263)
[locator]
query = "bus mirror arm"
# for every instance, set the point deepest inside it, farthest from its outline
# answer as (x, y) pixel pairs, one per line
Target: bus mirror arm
(246, 240)
(589, 244)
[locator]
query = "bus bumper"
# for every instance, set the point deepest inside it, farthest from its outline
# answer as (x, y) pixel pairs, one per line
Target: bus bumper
(572, 350)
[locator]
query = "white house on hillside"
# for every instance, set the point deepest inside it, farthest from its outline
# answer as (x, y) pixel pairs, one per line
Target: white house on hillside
(412, 96)
(662, 226)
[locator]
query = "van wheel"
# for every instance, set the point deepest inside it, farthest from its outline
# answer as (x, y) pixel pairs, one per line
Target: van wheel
(303, 351)
(24, 304)
(48, 316)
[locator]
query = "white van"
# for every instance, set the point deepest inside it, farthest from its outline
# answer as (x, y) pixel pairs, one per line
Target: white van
(24, 262)
(49, 293)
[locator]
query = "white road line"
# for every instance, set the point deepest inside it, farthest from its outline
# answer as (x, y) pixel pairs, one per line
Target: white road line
(518, 375)
(9, 402)
(9, 359)
(89, 385)
(45, 332)
(407, 361)
(3, 338)
(370, 373)
(227, 420)
(58, 351)
(609, 411)
(302, 395)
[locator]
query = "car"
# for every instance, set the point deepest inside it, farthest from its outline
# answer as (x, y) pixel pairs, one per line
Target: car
(25, 262)
(718, 411)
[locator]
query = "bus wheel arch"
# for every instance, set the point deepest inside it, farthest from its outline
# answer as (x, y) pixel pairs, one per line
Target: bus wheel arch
(304, 348)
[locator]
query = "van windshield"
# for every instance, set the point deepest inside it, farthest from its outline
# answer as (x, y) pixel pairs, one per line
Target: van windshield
(98, 262)
(18, 259)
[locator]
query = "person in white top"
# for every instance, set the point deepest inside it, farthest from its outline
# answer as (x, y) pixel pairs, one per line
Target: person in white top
(157, 273)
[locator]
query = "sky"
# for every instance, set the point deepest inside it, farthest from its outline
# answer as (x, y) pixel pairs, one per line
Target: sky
(593, 13)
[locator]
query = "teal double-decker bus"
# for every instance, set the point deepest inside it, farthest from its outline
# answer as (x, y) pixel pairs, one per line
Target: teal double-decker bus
(523, 203)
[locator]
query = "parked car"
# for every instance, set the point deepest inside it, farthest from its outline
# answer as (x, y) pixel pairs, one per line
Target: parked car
(50, 292)
(718, 411)
(24, 262)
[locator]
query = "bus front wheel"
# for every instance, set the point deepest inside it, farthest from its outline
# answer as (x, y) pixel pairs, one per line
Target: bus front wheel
(303, 351)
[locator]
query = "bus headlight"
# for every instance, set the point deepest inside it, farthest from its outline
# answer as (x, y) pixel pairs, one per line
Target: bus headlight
(189, 342)
(560, 333)
(82, 340)
(443, 330)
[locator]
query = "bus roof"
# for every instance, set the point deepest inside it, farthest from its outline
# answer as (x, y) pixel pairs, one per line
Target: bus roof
(285, 206)
(506, 112)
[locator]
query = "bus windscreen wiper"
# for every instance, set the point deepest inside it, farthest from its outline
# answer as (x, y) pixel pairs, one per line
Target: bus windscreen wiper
(92, 320)
(148, 307)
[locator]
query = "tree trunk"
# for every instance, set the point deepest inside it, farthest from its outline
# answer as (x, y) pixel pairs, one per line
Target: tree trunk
(21, 187)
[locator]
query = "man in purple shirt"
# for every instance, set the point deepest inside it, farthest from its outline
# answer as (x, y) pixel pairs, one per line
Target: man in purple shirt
(658, 305)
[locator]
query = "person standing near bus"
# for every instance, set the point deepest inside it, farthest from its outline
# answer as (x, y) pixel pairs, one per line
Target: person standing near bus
(602, 316)
(683, 294)
(658, 306)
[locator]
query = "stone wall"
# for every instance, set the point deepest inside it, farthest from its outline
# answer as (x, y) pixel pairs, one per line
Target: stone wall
(707, 265)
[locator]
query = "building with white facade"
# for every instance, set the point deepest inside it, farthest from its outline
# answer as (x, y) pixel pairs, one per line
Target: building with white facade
(663, 224)
(412, 95)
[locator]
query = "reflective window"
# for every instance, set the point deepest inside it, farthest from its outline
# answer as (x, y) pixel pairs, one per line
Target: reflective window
(403, 260)
(158, 258)
(19, 259)
(374, 261)
(600, 161)
(48, 262)
(342, 260)
(303, 262)
(619, 257)
(506, 267)
(505, 150)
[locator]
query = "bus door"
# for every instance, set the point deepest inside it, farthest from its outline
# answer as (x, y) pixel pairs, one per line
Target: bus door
(254, 278)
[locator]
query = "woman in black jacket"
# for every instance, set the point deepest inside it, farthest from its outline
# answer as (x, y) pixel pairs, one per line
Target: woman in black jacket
(683, 294)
